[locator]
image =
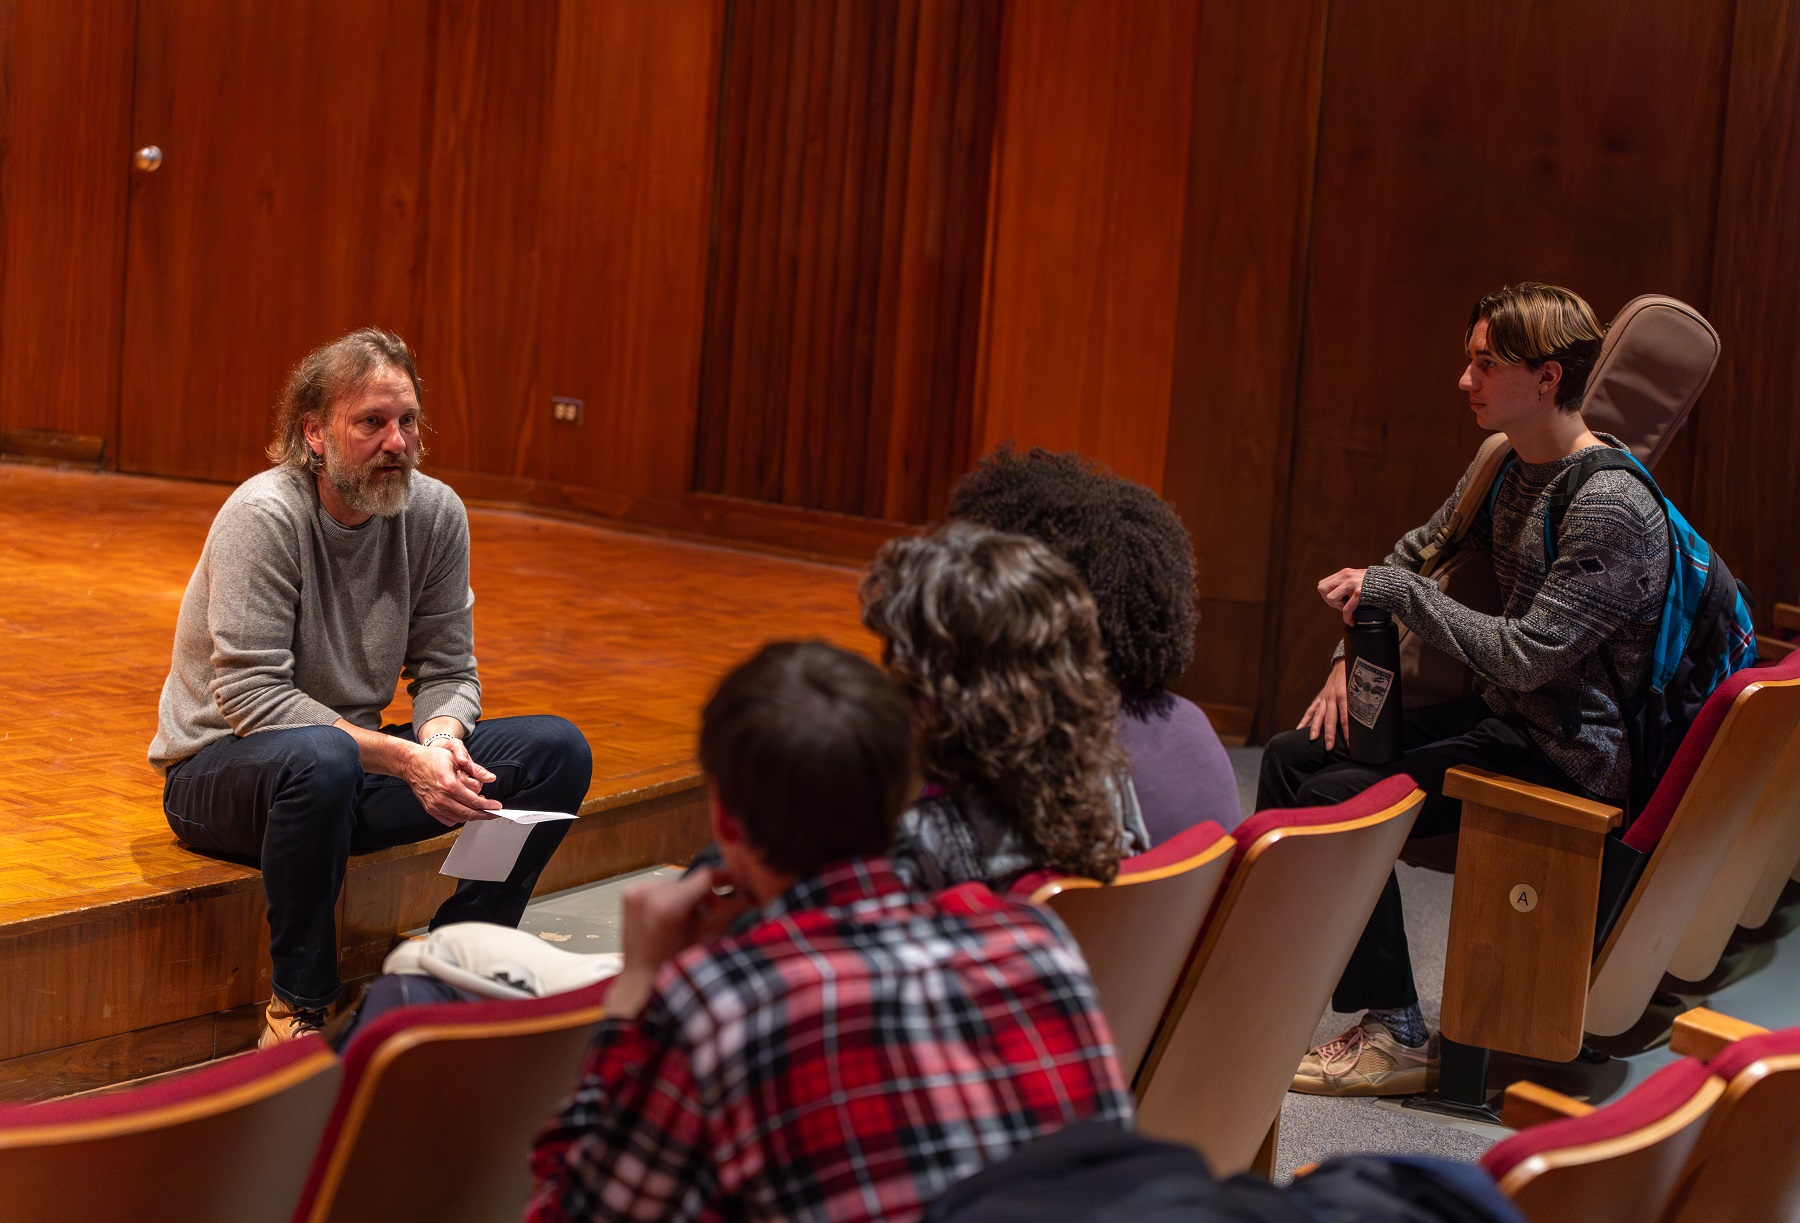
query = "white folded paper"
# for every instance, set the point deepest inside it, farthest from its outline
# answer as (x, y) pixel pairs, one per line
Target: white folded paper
(489, 849)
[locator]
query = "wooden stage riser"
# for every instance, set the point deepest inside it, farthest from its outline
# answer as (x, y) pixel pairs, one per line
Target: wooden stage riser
(96, 997)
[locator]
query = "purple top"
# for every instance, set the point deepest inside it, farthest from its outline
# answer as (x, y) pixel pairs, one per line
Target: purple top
(1180, 770)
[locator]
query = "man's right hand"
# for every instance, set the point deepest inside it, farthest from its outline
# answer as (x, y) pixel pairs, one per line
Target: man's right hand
(449, 794)
(1329, 713)
(663, 919)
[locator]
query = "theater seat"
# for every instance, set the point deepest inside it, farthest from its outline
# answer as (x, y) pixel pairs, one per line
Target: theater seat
(1750, 880)
(1302, 884)
(1137, 932)
(1520, 974)
(439, 1107)
(1618, 1164)
(1746, 1165)
(229, 1142)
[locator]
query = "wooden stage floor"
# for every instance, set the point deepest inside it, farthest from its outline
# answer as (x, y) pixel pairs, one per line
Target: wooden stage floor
(121, 952)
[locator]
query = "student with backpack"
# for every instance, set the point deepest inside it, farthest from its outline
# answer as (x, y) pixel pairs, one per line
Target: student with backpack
(1579, 682)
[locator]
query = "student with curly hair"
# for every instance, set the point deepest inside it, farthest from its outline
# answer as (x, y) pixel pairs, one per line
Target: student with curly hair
(995, 643)
(1132, 550)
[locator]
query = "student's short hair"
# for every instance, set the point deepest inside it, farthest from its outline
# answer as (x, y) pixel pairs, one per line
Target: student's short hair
(1535, 323)
(810, 748)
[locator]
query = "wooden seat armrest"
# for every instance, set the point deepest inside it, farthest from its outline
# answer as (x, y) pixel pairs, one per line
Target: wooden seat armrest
(1527, 1104)
(1521, 944)
(1702, 1033)
(1773, 648)
(1521, 797)
(1787, 616)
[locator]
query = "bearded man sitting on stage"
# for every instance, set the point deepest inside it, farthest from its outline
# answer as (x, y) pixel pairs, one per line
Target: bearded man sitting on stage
(322, 580)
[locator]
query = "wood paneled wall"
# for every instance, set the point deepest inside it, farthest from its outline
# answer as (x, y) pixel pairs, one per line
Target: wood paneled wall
(288, 210)
(803, 260)
(65, 124)
(1746, 485)
(847, 229)
(1090, 179)
(1245, 239)
(1572, 162)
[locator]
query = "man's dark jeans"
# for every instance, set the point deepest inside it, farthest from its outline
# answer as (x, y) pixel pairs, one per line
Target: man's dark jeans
(298, 803)
(1299, 772)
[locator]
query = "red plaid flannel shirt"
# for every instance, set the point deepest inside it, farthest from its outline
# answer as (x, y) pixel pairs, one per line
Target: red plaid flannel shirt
(848, 1051)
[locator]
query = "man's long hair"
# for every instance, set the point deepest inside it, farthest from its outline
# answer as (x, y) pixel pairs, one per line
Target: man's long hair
(323, 377)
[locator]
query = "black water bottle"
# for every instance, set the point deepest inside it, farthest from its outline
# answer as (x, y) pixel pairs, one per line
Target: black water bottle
(1372, 675)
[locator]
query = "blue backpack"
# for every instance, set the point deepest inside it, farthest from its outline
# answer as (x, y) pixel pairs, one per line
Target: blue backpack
(1706, 634)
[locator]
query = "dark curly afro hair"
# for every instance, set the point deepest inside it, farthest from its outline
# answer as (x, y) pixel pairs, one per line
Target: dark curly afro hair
(1128, 544)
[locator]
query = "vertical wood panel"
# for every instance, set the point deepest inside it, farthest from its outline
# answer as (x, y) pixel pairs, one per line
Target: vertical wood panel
(1091, 177)
(1249, 205)
(627, 183)
(1462, 147)
(286, 211)
(846, 126)
(65, 150)
(477, 342)
(925, 387)
(1747, 496)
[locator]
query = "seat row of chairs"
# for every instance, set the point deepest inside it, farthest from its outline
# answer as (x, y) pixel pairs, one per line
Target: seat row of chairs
(1208, 941)
(1708, 1139)
(1557, 936)
(429, 1115)
(1212, 941)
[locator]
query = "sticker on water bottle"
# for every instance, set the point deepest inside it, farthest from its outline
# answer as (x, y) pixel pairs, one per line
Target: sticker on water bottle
(1369, 688)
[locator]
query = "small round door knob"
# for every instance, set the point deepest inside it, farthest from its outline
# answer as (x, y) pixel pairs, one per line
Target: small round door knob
(147, 159)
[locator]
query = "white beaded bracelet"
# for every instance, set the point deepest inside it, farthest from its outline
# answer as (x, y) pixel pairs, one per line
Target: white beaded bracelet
(442, 734)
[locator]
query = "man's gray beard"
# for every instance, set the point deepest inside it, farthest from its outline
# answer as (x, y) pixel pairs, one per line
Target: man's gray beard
(364, 490)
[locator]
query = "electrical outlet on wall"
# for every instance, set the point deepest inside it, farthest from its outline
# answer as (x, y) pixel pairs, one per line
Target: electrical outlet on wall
(565, 411)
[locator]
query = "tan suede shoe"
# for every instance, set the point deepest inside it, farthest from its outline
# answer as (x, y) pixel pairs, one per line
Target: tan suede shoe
(1367, 1061)
(283, 1022)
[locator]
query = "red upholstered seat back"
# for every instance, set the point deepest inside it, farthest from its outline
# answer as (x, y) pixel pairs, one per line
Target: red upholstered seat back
(1747, 1164)
(1696, 817)
(1619, 1163)
(492, 1071)
(1378, 797)
(1652, 1100)
(1177, 849)
(1138, 933)
(1737, 1057)
(1302, 884)
(229, 1141)
(1653, 821)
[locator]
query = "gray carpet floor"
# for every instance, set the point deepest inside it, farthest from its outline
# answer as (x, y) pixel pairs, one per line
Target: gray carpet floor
(1758, 980)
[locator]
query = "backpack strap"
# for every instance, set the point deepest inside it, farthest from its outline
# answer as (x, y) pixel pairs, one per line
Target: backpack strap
(1562, 492)
(1477, 494)
(1561, 495)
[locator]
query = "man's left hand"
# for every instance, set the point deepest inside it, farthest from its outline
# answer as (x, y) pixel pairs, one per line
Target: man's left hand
(465, 763)
(1343, 591)
(662, 920)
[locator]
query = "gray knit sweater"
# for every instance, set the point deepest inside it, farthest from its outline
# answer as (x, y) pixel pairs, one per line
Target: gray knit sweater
(291, 619)
(1538, 663)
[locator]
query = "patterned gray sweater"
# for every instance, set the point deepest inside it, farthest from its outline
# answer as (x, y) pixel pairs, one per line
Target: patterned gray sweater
(1538, 663)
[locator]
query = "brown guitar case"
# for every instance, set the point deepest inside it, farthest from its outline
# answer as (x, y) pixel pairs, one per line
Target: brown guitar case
(1657, 357)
